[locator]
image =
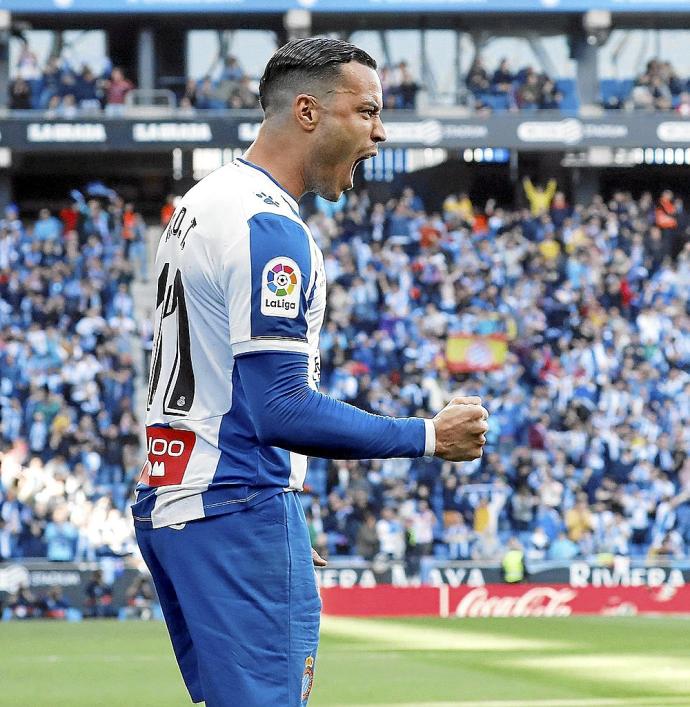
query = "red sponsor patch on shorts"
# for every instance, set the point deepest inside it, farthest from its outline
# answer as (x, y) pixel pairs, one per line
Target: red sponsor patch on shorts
(168, 452)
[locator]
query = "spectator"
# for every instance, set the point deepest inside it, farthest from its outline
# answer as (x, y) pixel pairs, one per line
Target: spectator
(20, 95)
(539, 198)
(563, 549)
(141, 600)
(22, 604)
(86, 89)
(99, 598)
(389, 531)
(28, 68)
(529, 94)
(367, 544)
(550, 97)
(61, 536)
(478, 78)
(457, 536)
(116, 89)
(502, 80)
(513, 563)
(244, 95)
(54, 605)
(407, 88)
(50, 83)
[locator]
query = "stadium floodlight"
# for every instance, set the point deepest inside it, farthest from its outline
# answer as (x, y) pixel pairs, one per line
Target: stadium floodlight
(597, 26)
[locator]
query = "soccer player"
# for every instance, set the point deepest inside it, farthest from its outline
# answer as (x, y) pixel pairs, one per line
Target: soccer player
(233, 401)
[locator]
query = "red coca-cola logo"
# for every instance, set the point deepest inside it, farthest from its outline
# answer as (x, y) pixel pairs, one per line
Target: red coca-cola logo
(538, 601)
(168, 452)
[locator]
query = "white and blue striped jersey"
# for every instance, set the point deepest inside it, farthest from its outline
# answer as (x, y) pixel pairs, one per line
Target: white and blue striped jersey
(238, 272)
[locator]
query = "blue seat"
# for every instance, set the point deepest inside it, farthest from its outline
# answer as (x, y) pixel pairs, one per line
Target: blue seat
(615, 90)
(568, 89)
(496, 101)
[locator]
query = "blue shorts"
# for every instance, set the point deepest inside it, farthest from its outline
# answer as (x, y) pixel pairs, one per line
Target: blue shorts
(238, 592)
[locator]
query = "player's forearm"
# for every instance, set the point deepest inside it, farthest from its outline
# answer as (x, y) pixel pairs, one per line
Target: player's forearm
(287, 413)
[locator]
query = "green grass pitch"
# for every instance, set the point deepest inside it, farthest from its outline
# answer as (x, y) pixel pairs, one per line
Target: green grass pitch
(570, 662)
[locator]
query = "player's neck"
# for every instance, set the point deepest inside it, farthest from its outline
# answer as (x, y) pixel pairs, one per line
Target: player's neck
(273, 154)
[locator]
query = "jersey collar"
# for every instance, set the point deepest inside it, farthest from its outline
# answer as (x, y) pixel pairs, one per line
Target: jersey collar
(291, 201)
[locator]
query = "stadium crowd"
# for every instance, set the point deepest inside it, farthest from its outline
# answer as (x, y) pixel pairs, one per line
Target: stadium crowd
(659, 87)
(587, 452)
(231, 87)
(590, 407)
(506, 89)
(69, 431)
(63, 88)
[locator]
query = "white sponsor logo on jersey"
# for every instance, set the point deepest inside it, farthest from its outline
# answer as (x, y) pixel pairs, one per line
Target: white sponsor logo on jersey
(281, 286)
(157, 469)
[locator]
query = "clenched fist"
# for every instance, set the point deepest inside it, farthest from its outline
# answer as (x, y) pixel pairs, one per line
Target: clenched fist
(460, 429)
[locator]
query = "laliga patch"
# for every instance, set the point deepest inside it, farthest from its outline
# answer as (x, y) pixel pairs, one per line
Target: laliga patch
(307, 678)
(281, 287)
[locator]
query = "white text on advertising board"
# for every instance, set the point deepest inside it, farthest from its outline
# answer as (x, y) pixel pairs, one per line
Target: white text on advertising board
(66, 132)
(172, 132)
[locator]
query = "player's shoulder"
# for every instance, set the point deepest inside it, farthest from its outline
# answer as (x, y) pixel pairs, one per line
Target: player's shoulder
(220, 191)
(263, 194)
(237, 192)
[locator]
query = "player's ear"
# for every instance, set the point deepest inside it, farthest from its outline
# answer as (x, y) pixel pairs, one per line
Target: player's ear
(306, 111)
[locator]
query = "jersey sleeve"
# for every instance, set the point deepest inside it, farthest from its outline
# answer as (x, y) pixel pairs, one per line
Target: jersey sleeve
(288, 413)
(267, 282)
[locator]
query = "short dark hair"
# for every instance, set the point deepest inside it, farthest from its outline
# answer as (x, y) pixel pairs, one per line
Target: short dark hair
(303, 60)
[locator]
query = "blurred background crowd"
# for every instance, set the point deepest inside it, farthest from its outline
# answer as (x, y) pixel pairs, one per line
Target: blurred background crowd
(68, 337)
(589, 401)
(65, 86)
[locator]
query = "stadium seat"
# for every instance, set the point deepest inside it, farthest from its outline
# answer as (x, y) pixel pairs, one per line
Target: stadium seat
(570, 104)
(615, 91)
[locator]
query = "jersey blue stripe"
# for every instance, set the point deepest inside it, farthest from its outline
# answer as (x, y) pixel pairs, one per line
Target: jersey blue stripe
(273, 236)
(243, 459)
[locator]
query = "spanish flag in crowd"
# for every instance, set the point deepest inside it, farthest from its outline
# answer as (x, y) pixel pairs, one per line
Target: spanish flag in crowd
(468, 353)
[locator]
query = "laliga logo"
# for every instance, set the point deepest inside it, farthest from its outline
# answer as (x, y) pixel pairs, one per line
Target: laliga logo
(280, 292)
(281, 280)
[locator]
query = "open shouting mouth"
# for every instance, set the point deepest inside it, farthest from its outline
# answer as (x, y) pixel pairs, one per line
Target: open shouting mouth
(371, 153)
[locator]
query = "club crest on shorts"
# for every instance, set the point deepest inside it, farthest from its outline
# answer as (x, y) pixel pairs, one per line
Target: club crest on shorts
(281, 287)
(307, 678)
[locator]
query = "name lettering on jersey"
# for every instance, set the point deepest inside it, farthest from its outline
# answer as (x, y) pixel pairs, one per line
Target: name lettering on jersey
(281, 287)
(168, 452)
(177, 227)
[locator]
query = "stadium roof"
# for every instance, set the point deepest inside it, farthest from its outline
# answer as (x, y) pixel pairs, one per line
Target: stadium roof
(21, 7)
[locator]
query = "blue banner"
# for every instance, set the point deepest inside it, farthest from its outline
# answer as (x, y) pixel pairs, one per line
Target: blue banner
(28, 7)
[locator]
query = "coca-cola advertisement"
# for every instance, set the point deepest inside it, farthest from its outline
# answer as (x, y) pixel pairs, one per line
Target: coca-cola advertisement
(563, 600)
(506, 600)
